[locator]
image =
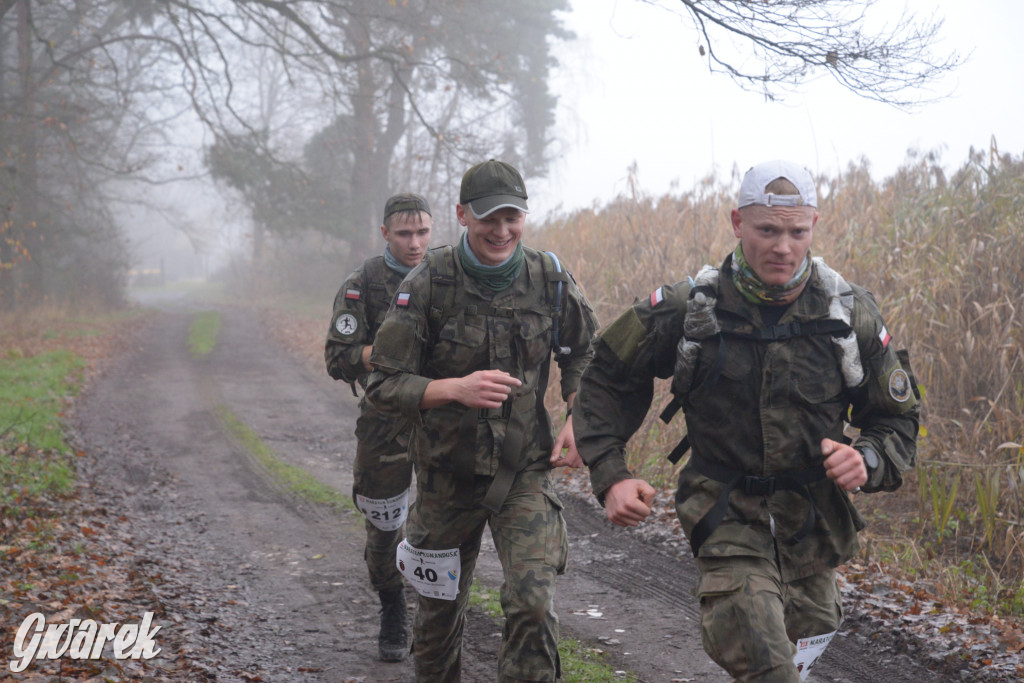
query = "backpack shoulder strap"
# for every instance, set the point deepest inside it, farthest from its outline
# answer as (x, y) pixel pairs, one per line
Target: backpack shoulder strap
(373, 282)
(555, 278)
(442, 287)
(373, 268)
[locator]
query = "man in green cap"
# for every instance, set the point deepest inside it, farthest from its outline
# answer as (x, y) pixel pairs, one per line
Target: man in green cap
(794, 396)
(382, 474)
(464, 355)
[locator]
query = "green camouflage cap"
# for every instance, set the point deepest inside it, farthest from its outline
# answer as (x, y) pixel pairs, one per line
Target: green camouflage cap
(490, 186)
(405, 202)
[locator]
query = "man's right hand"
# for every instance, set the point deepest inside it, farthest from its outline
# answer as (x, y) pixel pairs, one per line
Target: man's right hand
(628, 502)
(486, 388)
(481, 389)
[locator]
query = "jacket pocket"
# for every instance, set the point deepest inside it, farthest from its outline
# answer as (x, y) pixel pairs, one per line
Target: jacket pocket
(558, 538)
(533, 340)
(816, 374)
(460, 348)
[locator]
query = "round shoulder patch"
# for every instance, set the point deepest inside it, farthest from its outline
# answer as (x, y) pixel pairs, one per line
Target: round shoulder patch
(899, 385)
(346, 324)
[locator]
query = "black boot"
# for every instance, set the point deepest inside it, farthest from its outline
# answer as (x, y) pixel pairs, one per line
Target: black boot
(394, 619)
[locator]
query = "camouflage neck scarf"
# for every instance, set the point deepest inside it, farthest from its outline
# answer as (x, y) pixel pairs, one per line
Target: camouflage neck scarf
(494, 278)
(756, 291)
(393, 263)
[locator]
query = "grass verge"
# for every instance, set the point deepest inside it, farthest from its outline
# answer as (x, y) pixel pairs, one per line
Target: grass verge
(59, 556)
(294, 479)
(581, 663)
(34, 457)
(202, 333)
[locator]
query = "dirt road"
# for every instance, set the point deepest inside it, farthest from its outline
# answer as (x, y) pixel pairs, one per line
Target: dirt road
(268, 587)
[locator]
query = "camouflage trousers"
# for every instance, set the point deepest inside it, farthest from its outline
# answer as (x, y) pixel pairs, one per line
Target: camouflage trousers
(380, 473)
(751, 619)
(530, 539)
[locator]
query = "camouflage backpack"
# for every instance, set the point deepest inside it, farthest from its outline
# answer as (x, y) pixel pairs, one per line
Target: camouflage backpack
(702, 323)
(442, 293)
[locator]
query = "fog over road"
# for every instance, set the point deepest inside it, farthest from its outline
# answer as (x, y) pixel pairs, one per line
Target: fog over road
(278, 585)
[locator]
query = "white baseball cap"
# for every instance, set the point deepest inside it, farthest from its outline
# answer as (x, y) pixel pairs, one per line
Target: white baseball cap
(752, 189)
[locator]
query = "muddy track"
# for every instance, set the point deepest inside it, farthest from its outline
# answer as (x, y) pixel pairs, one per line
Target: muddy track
(650, 585)
(265, 585)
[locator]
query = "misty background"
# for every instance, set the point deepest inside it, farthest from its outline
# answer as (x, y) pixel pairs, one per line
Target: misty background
(146, 142)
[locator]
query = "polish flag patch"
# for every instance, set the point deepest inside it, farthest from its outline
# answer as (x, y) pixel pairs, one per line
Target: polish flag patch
(402, 299)
(352, 294)
(884, 337)
(657, 296)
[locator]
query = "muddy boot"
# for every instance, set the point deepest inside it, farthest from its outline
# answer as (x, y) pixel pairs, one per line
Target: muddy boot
(394, 619)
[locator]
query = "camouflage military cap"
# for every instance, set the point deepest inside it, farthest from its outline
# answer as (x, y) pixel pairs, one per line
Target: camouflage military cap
(405, 202)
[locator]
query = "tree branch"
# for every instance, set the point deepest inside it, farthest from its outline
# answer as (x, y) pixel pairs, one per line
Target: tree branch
(797, 40)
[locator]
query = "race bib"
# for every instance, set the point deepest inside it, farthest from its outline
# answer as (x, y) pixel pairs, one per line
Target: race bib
(808, 650)
(433, 573)
(387, 514)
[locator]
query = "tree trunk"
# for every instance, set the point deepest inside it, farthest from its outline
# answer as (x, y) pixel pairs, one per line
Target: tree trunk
(365, 183)
(27, 277)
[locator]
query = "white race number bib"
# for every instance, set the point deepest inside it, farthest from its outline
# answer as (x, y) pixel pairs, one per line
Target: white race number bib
(808, 650)
(433, 573)
(387, 514)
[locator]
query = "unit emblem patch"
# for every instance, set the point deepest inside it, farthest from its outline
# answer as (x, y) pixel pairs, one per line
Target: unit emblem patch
(899, 385)
(346, 324)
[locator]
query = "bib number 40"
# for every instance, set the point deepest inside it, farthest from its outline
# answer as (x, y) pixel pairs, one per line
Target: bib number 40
(433, 573)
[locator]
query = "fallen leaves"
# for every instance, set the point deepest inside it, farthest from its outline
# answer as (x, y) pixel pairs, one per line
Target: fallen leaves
(70, 563)
(910, 616)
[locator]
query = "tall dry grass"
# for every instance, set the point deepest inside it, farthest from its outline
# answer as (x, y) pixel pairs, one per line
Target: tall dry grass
(944, 256)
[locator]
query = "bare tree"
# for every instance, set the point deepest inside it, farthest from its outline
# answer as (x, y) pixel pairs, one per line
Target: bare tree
(419, 89)
(80, 107)
(794, 41)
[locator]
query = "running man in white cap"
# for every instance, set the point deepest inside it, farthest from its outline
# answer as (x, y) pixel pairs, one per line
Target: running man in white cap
(770, 355)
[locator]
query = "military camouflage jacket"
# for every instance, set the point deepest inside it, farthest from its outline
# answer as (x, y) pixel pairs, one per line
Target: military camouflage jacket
(510, 330)
(359, 308)
(766, 414)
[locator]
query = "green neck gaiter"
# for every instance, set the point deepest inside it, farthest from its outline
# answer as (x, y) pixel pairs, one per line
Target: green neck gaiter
(393, 263)
(756, 291)
(494, 278)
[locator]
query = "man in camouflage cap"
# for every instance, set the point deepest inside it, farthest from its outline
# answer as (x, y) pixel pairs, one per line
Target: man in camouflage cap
(769, 355)
(464, 355)
(383, 472)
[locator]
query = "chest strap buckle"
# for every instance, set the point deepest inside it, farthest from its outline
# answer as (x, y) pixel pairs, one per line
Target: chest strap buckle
(759, 486)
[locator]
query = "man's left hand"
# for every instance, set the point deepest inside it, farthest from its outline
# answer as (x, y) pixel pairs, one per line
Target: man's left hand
(844, 465)
(566, 441)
